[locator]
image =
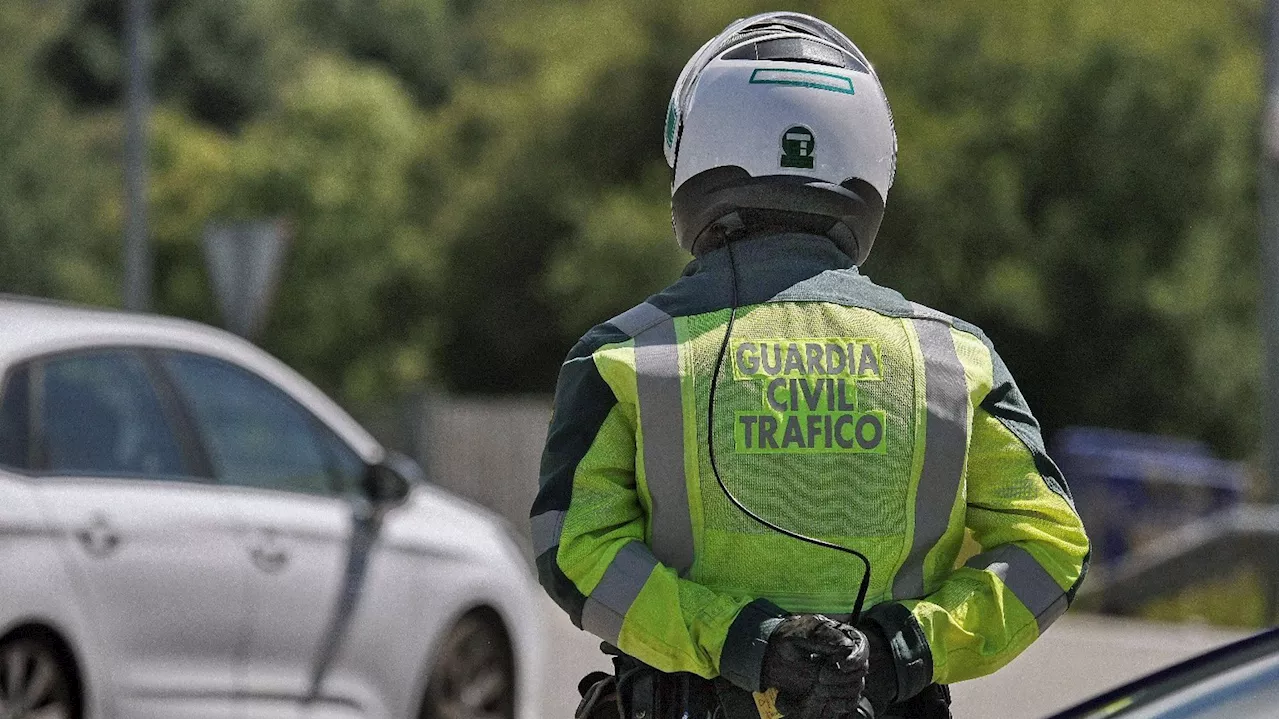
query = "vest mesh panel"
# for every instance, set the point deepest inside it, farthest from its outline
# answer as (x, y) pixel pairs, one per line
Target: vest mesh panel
(861, 500)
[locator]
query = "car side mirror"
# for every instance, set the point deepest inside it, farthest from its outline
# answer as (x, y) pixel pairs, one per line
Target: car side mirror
(389, 481)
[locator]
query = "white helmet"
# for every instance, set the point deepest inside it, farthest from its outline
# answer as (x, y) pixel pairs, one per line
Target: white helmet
(780, 121)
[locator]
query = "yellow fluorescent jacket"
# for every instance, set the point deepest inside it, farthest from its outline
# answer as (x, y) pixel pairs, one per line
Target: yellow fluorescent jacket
(842, 411)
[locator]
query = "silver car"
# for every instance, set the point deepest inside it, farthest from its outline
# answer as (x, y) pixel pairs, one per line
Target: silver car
(188, 528)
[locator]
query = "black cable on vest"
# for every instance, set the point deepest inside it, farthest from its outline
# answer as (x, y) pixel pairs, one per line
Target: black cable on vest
(711, 451)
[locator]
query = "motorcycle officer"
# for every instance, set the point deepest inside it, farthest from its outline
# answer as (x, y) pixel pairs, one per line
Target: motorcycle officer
(709, 446)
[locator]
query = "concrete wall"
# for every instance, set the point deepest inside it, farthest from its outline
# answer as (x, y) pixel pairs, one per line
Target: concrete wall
(484, 449)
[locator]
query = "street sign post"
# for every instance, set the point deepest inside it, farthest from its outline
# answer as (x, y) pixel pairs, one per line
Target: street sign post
(244, 260)
(137, 245)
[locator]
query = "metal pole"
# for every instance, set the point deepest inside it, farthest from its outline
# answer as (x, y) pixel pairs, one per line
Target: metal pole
(137, 250)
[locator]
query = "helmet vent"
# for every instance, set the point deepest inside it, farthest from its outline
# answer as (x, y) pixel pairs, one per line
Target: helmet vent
(796, 49)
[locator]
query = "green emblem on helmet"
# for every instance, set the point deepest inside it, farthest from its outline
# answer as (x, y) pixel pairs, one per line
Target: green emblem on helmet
(797, 148)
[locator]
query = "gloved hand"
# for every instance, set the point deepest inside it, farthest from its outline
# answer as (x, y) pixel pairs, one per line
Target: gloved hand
(882, 675)
(818, 666)
(836, 695)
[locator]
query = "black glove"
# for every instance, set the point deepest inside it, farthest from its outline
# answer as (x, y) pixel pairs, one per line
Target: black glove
(837, 692)
(818, 666)
(882, 674)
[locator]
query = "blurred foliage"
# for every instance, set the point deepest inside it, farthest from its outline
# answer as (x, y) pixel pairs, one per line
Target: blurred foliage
(55, 170)
(471, 184)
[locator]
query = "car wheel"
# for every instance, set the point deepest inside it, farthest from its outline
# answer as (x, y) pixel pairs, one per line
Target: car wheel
(34, 681)
(474, 673)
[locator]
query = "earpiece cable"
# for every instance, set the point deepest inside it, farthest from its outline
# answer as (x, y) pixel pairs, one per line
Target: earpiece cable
(711, 451)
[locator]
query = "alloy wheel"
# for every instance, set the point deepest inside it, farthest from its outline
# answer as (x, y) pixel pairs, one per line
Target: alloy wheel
(474, 675)
(33, 681)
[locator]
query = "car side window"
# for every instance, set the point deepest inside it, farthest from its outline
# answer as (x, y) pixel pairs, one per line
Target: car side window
(98, 413)
(15, 420)
(255, 434)
(346, 467)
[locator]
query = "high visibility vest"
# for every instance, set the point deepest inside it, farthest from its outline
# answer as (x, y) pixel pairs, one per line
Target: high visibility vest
(842, 411)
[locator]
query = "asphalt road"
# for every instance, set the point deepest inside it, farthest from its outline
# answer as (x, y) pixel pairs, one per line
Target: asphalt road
(568, 655)
(1080, 656)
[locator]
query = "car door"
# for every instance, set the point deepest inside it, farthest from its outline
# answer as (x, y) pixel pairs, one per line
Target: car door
(294, 500)
(149, 537)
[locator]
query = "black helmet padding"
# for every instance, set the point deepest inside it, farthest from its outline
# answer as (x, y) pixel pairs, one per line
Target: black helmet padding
(728, 198)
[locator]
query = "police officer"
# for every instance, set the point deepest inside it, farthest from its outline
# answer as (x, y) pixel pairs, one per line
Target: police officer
(773, 379)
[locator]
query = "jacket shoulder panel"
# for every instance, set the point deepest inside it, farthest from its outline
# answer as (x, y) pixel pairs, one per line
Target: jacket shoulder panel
(599, 336)
(850, 288)
(636, 320)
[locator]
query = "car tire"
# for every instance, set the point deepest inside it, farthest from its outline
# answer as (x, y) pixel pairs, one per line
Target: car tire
(474, 672)
(36, 680)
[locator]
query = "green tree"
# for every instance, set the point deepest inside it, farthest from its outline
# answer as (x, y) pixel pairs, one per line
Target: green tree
(473, 183)
(52, 165)
(1076, 181)
(334, 159)
(220, 61)
(421, 42)
(1080, 184)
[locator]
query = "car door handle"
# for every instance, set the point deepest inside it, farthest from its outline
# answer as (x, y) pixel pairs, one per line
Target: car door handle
(267, 552)
(99, 539)
(269, 560)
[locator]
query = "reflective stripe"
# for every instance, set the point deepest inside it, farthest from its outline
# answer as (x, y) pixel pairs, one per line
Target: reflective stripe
(662, 427)
(639, 318)
(606, 608)
(946, 439)
(1027, 579)
(545, 529)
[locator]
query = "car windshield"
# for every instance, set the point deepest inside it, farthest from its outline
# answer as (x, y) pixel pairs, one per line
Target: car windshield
(1246, 692)
(1238, 680)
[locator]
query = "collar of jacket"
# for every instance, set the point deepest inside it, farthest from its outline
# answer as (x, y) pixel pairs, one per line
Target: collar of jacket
(766, 266)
